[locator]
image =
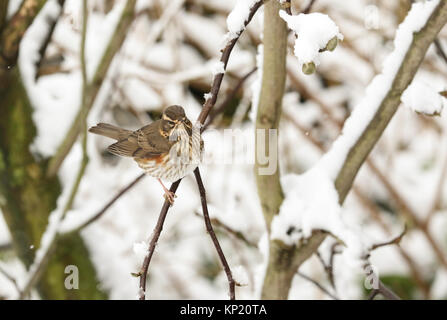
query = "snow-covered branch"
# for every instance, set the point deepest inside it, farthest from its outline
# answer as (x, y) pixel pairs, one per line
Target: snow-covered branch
(303, 213)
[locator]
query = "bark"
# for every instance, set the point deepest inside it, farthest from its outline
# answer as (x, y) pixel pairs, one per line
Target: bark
(270, 101)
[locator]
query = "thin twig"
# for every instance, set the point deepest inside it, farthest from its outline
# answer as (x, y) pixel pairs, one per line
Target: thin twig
(52, 26)
(309, 6)
(211, 101)
(328, 268)
(439, 50)
(156, 235)
(288, 7)
(326, 291)
(209, 228)
(11, 279)
(395, 240)
(101, 212)
(237, 234)
(387, 292)
(373, 294)
(219, 109)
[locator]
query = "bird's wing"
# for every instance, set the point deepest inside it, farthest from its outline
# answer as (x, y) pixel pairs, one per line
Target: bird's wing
(151, 142)
(146, 142)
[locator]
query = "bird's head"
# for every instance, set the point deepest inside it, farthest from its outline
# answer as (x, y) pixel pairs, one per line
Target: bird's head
(173, 117)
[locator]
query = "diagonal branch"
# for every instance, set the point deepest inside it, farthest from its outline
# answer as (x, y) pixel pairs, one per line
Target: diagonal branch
(155, 236)
(14, 31)
(209, 228)
(52, 21)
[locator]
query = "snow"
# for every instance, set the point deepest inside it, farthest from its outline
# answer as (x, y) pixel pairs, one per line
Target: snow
(421, 97)
(140, 249)
(217, 67)
(313, 32)
(236, 19)
(311, 203)
(240, 275)
(302, 211)
(176, 68)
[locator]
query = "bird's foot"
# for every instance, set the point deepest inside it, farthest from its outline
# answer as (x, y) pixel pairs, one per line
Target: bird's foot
(170, 196)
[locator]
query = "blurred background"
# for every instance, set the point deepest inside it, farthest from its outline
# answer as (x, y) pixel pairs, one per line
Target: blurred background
(166, 54)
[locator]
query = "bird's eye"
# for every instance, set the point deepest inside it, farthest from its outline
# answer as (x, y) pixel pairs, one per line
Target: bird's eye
(171, 124)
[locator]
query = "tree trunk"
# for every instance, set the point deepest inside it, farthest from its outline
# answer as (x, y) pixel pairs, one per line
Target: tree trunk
(27, 196)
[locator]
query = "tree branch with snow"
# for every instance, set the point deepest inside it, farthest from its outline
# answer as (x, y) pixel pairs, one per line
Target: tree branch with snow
(299, 227)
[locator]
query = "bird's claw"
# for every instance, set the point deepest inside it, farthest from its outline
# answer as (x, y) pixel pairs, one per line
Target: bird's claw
(170, 196)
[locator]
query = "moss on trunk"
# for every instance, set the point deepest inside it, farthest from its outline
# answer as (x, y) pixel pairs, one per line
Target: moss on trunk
(27, 197)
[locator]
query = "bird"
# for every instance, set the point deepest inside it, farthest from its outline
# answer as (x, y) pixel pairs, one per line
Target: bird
(167, 149)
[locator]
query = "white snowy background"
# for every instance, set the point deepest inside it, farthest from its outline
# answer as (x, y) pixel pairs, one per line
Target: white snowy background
(169, 57)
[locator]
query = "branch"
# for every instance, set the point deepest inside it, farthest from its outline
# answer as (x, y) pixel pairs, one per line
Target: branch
(221, 108)
(237, 234)
(13, 32)
(155, 236)
(361, 148)
(10, 278)
(94, 86)
(217, 81)
(269, 109)
(389, 104)
(318, 285)
(52, 21)
(209, 229)
(396, 240)
(440, 51)
(309, 6)
(101, 212)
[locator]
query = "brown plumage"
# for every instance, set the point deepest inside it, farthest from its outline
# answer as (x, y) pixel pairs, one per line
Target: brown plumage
(167, 149)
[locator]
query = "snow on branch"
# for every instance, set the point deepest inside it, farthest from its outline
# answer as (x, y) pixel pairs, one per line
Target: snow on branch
(312, 200)
(315, 33)
(422, 98)
(311, 203)
(237, 18)
(378, 89)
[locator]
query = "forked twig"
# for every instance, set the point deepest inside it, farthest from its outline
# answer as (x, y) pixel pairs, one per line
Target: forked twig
(395, 240)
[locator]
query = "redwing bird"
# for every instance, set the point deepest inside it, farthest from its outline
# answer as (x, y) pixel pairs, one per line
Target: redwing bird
(167, 149)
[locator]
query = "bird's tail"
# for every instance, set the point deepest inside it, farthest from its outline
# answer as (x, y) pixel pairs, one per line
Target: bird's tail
(110, 131)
